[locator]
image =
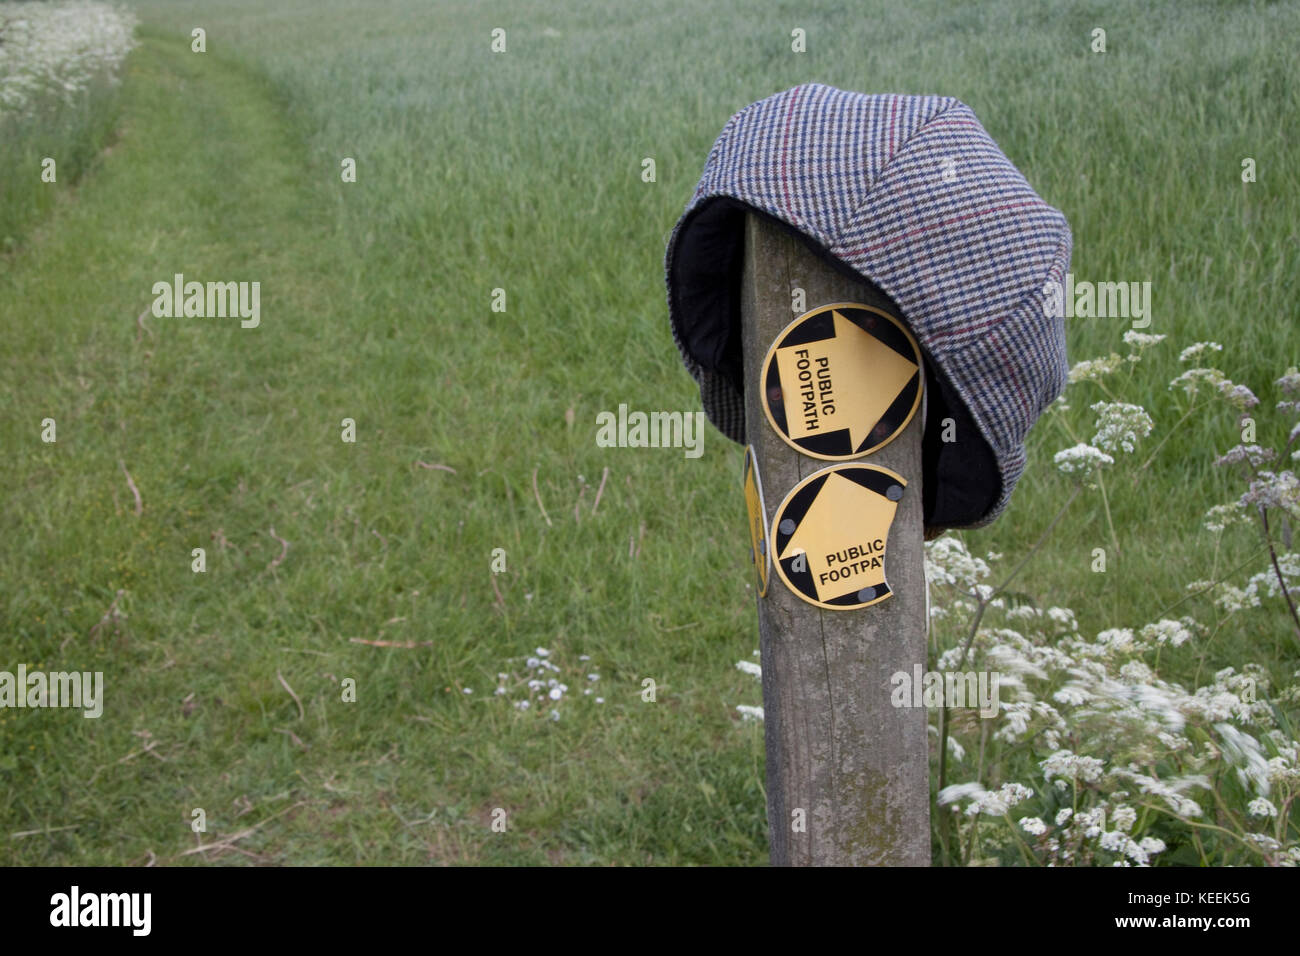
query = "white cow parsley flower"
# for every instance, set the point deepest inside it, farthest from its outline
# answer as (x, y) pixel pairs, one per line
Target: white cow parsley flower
(1081, 460)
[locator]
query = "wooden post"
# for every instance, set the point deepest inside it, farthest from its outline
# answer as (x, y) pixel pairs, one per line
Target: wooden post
(837, 749)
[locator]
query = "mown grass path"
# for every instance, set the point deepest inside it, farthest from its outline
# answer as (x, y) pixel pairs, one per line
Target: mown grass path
(204, 179)
(232, 436)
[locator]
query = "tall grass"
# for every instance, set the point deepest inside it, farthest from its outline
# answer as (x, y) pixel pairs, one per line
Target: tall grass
(59, 66)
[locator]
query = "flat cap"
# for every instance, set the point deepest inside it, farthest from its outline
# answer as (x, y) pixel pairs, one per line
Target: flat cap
(911, 194)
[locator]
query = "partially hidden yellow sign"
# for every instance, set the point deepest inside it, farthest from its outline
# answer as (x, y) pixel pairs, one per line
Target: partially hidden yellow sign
(841, 381)
(754, 504)
(830, 534)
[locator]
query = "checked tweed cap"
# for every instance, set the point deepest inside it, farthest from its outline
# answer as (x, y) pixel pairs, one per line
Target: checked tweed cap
(910, 193)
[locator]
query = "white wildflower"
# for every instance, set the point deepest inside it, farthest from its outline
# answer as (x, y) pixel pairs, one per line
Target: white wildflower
(1113, 840)
(1236, 599)
(948, 562)
(1120, 426)
(1264, 842)
(1238, 396)
(1261, 807)
(1136, 672)
(1254, 455)
(1081, 459)
(1123, 817)
(1174, 742)
(1015, 720)
(1169, 790)
(1033, 826)
(1192, 380)
(1222, 516)
(1141, 340)
(1165, 631)
(1064, 763)
(1063, 616)
(1007, 796)
(1094, 370)
(1194, 352)
(59, 50)
(1092, 821)
(1243, 749)
(1134, 852)
(1072, 694)
(1280, 490)
(1117, 638)
(959, 791)
(1152, 845)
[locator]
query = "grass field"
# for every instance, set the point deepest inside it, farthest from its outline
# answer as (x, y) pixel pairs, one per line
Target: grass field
(522, 171)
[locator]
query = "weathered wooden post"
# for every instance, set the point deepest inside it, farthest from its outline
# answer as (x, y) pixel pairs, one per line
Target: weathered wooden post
(812, 202)
(847, 772)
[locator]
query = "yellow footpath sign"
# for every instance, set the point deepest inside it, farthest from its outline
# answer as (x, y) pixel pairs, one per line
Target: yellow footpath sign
(841, 381)
(831, 532)
(759, 552)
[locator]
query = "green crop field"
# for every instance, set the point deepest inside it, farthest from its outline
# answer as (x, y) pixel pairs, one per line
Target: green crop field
(326, 690)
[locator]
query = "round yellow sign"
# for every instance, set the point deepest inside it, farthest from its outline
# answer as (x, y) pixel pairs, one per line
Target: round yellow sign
(830, 534)
(759, 552)
(842, 381)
